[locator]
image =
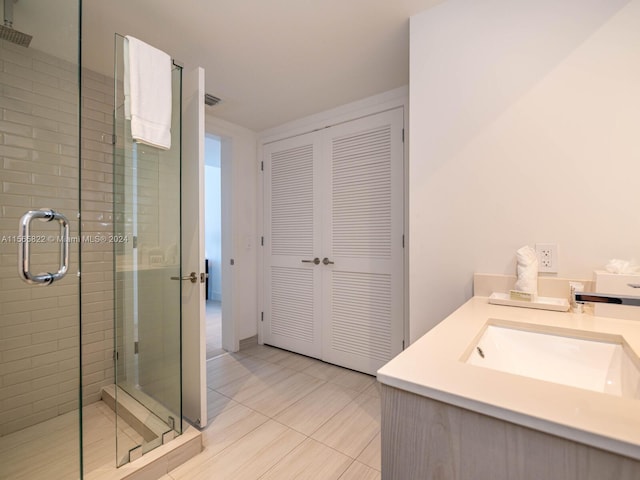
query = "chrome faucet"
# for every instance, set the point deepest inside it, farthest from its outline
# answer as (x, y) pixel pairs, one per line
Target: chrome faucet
(583, 297)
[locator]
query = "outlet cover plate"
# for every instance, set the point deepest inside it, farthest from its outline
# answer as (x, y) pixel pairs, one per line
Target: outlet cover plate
(547, 257)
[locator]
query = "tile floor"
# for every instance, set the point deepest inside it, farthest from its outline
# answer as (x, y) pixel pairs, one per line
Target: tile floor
(273, 415)
(49, 450)
(277, 415)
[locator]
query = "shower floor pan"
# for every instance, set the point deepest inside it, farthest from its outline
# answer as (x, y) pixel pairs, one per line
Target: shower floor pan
(49, 450)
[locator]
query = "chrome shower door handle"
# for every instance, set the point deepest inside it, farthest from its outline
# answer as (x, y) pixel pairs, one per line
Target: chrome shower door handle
(326, 261)
(24, 258)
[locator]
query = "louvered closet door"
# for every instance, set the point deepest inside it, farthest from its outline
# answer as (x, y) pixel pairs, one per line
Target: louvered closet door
(292, 238)
(363, 288)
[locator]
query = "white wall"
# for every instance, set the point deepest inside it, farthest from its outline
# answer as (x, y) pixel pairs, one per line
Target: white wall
(213, 214)
(213, 230)
(239, 236)
(524, 128)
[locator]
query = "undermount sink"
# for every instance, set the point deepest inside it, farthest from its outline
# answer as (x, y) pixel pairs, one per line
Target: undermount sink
(604, 364)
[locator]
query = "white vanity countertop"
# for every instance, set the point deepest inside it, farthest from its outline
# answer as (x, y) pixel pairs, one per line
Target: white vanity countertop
(434, 367)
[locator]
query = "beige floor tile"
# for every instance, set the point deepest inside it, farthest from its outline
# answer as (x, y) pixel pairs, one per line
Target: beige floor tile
(57, 461)
(50, 450)
(217, 403)
(279, 395)
(311, 460)
(263, 352)
(246, 459)
(373, 390)
(228, 427)
(354, 380)
(278, 355)
(248, 387)
(227, 368)
(352, 428)
(371, 455)
(295, 361)
(323, 371)
(313, 410)
(358, 471)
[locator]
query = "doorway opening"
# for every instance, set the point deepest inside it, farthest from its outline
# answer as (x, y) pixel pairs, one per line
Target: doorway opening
(213, 244)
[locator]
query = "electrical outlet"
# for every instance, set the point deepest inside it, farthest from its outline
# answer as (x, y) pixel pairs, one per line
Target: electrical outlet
(547, 257)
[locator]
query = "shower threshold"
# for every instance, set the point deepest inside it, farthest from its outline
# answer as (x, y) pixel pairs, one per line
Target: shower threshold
(150, 430)
(164, 449)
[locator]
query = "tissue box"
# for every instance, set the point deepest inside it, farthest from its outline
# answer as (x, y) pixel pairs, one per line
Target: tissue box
(616, 284)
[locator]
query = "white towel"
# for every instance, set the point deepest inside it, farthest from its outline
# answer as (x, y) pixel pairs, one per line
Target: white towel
(527, 270)
(147, 92)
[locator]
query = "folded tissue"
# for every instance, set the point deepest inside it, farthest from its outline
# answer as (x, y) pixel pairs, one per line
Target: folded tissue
(526, 287)
(622, 266)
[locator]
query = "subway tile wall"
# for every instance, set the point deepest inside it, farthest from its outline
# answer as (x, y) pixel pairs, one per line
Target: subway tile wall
(97, 225)
(39, 326)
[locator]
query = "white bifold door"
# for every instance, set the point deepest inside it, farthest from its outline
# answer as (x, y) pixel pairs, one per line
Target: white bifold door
(334, 274)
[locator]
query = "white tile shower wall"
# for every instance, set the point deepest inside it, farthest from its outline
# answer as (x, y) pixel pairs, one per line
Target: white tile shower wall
(97, 224)
(39, 326)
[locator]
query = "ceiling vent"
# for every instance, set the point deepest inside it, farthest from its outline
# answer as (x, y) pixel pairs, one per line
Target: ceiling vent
(210, 100)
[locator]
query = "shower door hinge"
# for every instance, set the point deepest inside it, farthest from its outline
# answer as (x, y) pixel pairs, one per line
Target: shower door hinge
(136, 348)
(262, 241)
(402, 241)
(262, 316)
(135, 242)
(402, 344)
(262, 166)
(115, 355)
(403, 135)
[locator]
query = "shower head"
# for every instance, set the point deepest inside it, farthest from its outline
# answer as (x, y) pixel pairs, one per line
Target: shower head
(7, 32)
(14, 36)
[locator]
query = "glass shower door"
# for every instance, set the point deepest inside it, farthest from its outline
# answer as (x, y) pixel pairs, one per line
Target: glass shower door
(40, 407)
(147, 264)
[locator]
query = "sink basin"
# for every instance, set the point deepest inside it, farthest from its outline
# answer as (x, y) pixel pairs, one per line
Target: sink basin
(605, 364)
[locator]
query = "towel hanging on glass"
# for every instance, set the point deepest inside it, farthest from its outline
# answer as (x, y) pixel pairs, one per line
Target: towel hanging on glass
(147, 91)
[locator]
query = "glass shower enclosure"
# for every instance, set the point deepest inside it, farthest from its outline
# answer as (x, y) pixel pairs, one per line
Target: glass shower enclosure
(89, 241)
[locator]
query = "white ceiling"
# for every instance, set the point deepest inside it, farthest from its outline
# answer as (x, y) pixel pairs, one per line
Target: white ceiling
(271, 61)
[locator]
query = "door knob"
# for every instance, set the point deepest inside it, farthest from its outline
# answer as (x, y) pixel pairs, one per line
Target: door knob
(315, 261)
(192, 277)
(326, 261)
